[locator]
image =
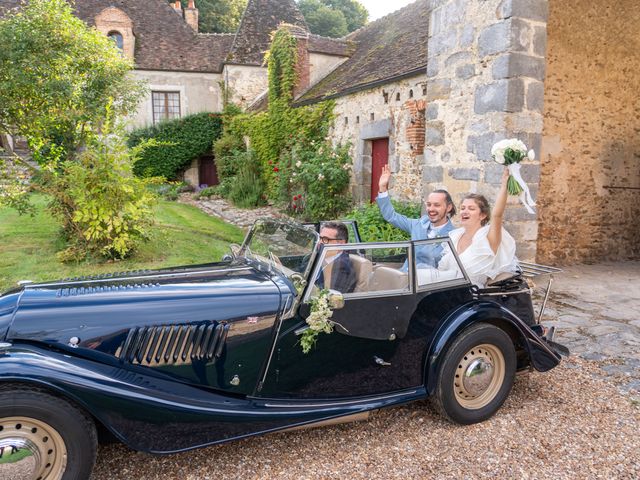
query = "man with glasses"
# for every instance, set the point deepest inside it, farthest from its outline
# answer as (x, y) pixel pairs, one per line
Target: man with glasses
(435, 223)
(337, 270)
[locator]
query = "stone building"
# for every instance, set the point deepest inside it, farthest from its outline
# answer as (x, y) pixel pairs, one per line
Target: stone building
(429, 89)
(562, 76)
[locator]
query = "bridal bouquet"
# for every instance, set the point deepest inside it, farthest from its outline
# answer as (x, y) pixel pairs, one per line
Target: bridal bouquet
(510, 153)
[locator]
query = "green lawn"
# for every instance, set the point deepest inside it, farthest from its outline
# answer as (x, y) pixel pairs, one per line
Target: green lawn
(182, 235)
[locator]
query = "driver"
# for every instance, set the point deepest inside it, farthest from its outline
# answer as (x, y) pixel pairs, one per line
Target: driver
(337, 270)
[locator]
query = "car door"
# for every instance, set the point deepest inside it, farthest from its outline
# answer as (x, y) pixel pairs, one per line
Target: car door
(368, 351)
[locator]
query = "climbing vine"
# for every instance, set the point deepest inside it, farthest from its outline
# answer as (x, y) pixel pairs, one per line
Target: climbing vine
(283, 134)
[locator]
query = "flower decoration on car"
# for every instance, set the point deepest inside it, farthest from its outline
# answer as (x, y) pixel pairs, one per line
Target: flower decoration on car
(319, 321)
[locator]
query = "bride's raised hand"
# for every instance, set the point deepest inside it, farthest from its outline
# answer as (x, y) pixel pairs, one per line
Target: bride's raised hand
(385, 177)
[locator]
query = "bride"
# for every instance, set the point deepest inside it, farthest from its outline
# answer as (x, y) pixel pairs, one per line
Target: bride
(485, 248)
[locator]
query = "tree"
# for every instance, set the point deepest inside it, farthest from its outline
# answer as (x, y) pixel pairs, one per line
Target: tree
(333, 18)
(60, 82)
(218, 16)
(354, 12)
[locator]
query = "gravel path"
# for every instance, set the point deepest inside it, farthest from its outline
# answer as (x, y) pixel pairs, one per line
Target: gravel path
(553, 426)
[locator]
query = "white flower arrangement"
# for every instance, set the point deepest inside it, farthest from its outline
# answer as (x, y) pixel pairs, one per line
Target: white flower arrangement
(318, 321)
(510, 153)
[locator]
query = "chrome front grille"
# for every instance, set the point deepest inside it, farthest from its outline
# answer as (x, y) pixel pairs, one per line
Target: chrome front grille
(174, 344)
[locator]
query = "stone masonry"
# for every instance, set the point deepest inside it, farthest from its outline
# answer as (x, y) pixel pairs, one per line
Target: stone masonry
(485, 83)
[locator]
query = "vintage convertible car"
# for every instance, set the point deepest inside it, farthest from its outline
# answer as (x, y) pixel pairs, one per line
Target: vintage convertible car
(170, 360)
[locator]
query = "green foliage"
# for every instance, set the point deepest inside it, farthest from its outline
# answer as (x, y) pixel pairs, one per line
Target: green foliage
(314, 181)
(324, 20)
(218, 16)
(374, 228)
(60, 83)
(168, 191)
(59, 79)
(103, 207)
(181, 235)
(247, 189)
(280, 138)
(333, 18)
(208, 192)
(178, 143)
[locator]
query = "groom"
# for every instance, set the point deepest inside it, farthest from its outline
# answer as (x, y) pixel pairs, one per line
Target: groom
(435, 223)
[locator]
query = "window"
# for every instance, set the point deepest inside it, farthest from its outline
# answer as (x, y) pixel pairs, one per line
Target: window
(166, 105)
(355, 271)
(117, 38)
(398, 97)
(436, 265)
(410, 93)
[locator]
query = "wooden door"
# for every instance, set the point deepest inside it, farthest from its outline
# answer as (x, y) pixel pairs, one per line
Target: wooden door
(379, 158)
(208, 172)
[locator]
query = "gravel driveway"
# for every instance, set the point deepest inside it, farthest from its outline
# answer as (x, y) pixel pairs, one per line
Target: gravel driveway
(566, 423)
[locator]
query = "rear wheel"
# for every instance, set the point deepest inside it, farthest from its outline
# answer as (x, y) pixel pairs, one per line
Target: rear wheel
(44, 437)
(476, 374)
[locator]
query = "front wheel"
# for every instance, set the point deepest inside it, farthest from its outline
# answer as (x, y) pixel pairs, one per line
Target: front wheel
(476, 374)
(44, 437)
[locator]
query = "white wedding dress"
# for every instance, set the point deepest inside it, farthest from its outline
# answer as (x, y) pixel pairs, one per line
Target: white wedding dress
(478, 259)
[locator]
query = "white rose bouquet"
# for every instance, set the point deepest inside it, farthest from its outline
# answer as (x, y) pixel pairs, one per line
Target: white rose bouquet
(510, 153)
(318, 321)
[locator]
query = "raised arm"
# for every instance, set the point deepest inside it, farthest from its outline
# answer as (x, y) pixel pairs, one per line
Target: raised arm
(497, 215)
(385, 206)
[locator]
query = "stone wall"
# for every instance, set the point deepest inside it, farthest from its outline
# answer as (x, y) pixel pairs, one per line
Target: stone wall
(386, 111)
(245, 83)
(485, 83)
(199, 92)
(590, 177)
(321, 65)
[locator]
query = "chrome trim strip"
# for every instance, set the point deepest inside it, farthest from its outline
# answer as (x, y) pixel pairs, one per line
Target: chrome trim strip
(347, 402)
(129, 279)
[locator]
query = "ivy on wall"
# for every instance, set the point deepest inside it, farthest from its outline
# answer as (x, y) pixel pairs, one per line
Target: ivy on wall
(283, 135)
(178, 143)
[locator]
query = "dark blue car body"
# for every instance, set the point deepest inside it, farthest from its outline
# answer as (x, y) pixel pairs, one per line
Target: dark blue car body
(180, 358)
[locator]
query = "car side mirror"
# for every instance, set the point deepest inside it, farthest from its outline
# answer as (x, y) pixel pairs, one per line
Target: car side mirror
(336, 299)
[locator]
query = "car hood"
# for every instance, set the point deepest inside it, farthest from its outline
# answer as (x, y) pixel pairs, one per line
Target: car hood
(95, 312)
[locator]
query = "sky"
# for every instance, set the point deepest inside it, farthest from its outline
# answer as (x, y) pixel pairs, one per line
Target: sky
(380, 8)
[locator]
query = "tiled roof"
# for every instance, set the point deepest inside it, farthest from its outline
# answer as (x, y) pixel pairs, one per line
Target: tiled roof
(163, 39)
(260, 18)
(389, 48)
(329, 46)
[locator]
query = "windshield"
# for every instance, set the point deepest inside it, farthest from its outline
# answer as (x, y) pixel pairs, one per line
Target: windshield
(285, 246)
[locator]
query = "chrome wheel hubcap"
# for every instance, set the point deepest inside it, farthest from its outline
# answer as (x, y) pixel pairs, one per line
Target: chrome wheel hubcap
(30, 450)
(479, 376)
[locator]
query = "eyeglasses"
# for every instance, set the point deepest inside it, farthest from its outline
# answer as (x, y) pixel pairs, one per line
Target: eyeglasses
(326, 240)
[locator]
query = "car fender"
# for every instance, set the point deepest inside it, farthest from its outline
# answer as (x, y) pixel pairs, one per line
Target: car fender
(541, 356)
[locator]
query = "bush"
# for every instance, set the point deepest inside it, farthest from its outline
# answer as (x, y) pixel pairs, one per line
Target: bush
(208, 192)
(104, 208)
(178, 143)
(374, 228)
(314, 181)
(248, 188)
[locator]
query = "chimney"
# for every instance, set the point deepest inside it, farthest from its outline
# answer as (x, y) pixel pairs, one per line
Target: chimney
(177, 7)
(191, 15)
(303, 67)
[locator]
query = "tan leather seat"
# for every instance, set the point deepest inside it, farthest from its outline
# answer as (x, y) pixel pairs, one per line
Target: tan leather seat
(385, 278)
(363, 268)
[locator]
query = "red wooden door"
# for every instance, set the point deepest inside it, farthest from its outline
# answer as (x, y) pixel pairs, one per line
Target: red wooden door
(379, 158)
(208, 172)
